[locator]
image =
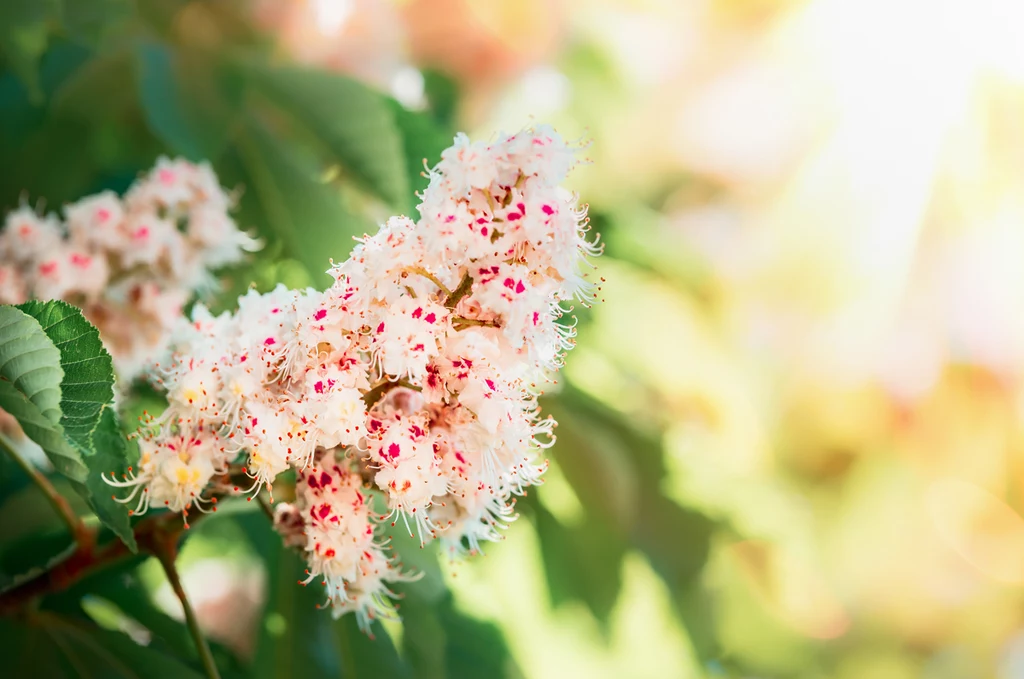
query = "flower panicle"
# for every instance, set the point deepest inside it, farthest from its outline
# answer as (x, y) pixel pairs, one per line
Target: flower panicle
(132, 262)
(405, 395)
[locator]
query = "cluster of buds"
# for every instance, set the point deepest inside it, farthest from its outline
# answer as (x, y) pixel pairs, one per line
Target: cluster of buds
(130, 263)
(403, 394)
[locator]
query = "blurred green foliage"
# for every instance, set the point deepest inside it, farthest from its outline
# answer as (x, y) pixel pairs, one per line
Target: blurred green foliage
(106, 86)
(91, 92)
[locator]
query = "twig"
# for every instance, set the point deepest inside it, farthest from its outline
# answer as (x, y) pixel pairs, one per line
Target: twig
(461, 323)
(431, 277)
(379, 390)
(81, 563)
(88, 559)
(165, 552)
(265, 506)
(465, 285)
(152, 535)
(79, 532)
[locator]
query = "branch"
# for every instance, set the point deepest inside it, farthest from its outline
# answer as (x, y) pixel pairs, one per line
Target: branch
(152, 534)
(166, 551)
(88, 559)
(81, 535)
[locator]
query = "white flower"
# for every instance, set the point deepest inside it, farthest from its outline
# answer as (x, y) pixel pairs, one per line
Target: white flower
(175, 467)
(410, 382)
(126, 261)
(96, 221)
(28, 236)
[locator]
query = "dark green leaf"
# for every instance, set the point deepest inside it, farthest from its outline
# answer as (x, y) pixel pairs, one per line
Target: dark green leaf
(680, 561)
(565, 548)
(97, 91)
(181, 101)
(108, 455)
(354, 123)
(597, 462)
(442, 93)
(47, 645)
(93, 21)
(363, 657)
(122, 588)
(306, 214)
(423, 140)
(440, 641)
(30, 554)
(586, 426)
(59, 182)
(24, 34)
(297, 639)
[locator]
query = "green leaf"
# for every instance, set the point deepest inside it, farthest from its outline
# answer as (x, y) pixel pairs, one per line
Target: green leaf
(24, 35)
(88, 420)
(354, 123)
(121, 588)
(363, 657)
(96, 92)
(306, 214)
(27, 556)
(182, 101)
(442, 93)
(678, 561)
(422, 140)
(564, 548)
(296, 639)
(108, 454)
(597, 462)
(65, 458)
(12, 478)
(30, 361)
(47, 645)
(94, 21)
(439, 641)
(88, 383)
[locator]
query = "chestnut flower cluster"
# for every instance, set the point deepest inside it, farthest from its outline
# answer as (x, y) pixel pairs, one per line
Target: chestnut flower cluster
(130, 263)
(410, 383)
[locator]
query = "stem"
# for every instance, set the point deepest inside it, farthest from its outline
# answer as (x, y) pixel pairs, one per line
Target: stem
(379, 390)
(465, 285)
(86, 560)
(78, 530)
(265, 506)
(153, 534)
(461, 323)
(165, 552)
(81, 563)
(432, 278)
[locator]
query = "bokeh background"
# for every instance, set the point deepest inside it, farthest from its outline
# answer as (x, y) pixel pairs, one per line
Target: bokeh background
(790, 438)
